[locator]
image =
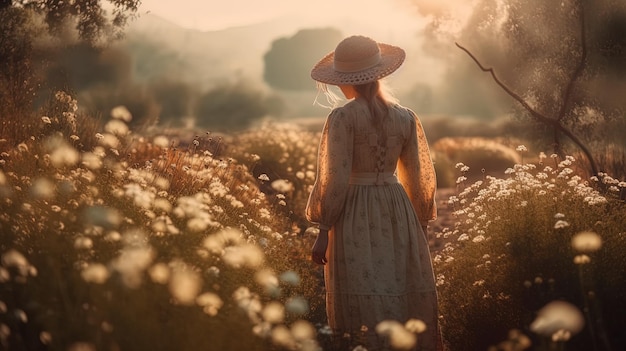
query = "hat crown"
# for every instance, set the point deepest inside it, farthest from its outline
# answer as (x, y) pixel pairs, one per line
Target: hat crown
(358, 60)
(356, 53)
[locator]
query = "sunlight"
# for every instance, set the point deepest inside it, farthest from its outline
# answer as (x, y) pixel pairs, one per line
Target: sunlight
(386, 16)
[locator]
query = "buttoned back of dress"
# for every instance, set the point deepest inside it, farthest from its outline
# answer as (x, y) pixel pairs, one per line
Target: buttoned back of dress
(366, 146)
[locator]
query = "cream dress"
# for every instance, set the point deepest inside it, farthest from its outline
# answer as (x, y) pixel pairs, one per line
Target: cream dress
(373, 200)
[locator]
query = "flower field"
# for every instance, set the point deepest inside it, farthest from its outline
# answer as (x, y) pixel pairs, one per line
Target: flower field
(118, 240)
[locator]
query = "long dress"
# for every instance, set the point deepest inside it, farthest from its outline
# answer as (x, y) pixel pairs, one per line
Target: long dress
(373, 200)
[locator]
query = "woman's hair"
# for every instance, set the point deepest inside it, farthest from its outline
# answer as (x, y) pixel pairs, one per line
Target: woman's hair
(378, 97)
(379, 101)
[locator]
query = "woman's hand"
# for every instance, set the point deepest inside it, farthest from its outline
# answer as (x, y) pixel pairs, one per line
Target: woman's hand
(318, 252)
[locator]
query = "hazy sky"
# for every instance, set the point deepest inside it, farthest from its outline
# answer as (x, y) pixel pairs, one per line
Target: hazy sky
(220, 14)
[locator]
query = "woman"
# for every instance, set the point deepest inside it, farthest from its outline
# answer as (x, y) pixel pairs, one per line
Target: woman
(373, 199)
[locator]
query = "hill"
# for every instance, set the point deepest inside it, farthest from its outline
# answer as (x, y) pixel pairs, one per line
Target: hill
(207, 56)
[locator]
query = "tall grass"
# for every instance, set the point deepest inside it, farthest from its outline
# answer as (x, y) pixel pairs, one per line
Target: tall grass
(134, 240)
(134, 245)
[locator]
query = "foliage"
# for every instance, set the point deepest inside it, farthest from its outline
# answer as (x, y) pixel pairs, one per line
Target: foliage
(557, 60)
(81, 66)
(17, 84)
(91, 18)
(153, 61)
(139, 100)
(289, 60)
(510, 253)
(114, 239)
(130, 243)
(32, 33)
(234, 106)
(175, 99)
(483, 156)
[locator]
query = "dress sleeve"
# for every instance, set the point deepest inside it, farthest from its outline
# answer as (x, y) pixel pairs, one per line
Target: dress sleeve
(416, 172)
(334, 165)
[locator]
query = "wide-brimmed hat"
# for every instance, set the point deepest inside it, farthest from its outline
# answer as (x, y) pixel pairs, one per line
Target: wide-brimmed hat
(358, 60)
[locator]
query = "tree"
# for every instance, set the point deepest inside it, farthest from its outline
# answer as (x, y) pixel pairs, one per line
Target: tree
(175, 98)
(90, 18)
(563, 62)
(17, 84)
(25, 48)
(82, 66)
(234, 106)
(289, 60)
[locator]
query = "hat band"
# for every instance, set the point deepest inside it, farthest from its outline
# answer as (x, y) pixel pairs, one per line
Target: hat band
(355, 66)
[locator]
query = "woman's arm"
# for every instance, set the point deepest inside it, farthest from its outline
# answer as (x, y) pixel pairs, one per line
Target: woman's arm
(334, 165)
(416, 172)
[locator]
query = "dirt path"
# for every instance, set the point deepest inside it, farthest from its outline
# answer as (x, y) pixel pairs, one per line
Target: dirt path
(445, 218)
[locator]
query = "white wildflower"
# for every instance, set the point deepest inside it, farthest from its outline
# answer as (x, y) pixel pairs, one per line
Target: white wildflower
(131, 263)
(274, 312)
(558, 316)
(282, 185)
(463, 237)
(586, 242)
(95, 273)
(43, 188)
(302, 330)
(415, 326)
(121, 113)
(184, 283)
(83, 243)
(116, 127)
(560, 224)
(161, 141)
(159, 273)
(398, 336)
(581, 259)
(210, 302)
(15, 259)
(478, 239)
(290, 277)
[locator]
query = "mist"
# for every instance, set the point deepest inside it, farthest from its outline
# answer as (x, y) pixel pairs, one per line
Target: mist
(163, 71)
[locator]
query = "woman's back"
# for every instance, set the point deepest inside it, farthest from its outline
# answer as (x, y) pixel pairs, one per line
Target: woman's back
(368, 155)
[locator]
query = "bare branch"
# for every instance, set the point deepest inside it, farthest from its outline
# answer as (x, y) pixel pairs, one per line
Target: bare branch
(515, 96)
(556, 123)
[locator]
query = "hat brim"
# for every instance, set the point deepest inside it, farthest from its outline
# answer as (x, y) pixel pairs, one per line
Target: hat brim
(392, 57)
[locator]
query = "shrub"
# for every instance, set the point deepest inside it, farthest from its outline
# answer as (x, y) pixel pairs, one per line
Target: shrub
(131, 244)
(235, 106)
(482, 156)
(510, 253)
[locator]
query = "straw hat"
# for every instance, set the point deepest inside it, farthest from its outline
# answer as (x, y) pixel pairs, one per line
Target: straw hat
(358, 60)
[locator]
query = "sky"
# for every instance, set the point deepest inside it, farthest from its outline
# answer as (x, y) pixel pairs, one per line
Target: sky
(397, 22)
(220, 14)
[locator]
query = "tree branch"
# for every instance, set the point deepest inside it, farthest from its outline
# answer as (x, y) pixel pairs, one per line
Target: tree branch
(540, 117)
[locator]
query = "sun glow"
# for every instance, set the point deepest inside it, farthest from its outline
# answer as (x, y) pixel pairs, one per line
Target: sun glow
(392, 15)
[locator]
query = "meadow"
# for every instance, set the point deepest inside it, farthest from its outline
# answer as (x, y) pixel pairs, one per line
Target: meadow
(113, 239)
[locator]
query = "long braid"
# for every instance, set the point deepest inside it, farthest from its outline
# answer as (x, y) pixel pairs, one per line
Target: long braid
(377, 104)
(379, 110)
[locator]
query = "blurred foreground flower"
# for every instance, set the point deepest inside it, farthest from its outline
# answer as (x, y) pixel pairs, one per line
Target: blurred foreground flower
(560, 319)
(15, 259)
(121, 113)
(95, 273)
(586, 242)
(399, 337)
(185, 283)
